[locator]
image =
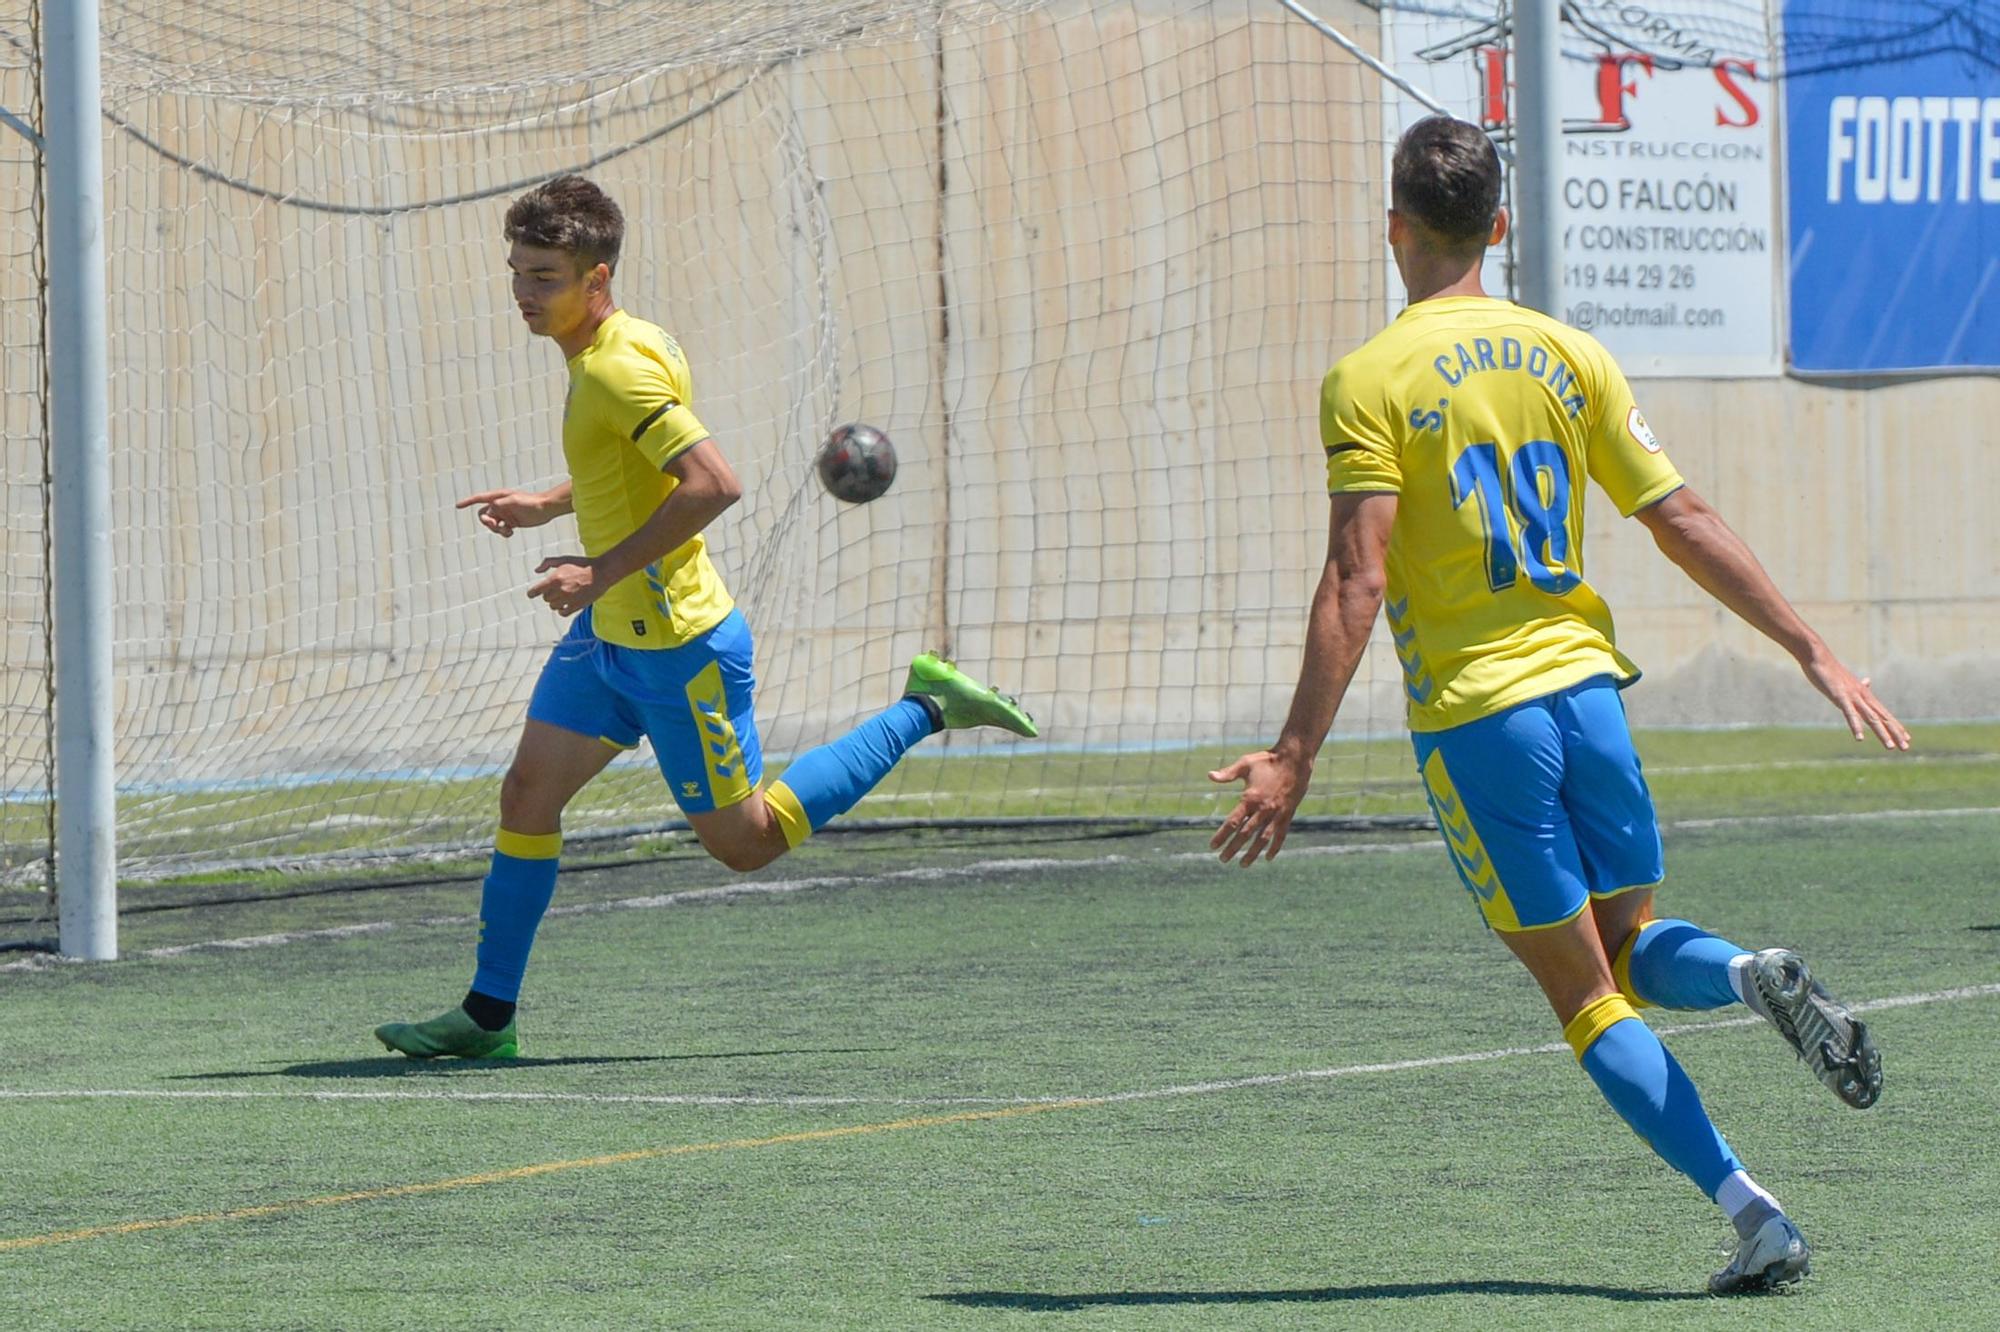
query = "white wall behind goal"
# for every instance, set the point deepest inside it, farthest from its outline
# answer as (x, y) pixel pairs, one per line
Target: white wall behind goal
(1085, 264)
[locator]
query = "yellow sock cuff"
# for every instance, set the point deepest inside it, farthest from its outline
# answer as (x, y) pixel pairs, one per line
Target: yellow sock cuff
(1598, 1016)
(1621, 967)
(791, 814)
(528, 846)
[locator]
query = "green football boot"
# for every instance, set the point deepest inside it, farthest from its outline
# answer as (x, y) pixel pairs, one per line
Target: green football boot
(962, 701)
(454, 1034)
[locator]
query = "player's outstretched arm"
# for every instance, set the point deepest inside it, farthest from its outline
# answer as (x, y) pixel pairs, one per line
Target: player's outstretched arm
(1343, 612)
(1692, 534)
(501, 511)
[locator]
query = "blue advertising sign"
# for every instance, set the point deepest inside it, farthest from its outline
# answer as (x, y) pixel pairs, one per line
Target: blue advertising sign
(1893, 176)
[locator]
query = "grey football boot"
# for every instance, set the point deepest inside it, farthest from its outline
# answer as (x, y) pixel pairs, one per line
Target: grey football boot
(1832, 1041)
(1776, 1255)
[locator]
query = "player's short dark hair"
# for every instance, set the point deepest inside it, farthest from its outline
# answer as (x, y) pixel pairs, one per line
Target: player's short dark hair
(569, 214)
(1446, 177)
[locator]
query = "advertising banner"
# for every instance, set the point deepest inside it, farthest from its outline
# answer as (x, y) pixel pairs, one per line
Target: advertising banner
(1669, 222)
(1892, 163)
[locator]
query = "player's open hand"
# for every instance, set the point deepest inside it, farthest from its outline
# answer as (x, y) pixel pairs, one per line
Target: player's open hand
(572, 583)
(1858, 705)
(501, 511)
(1272, 789)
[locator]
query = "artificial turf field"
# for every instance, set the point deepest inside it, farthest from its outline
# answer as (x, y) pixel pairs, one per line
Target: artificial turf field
(1012, 1080)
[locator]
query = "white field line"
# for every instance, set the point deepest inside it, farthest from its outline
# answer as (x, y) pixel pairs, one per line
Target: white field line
(716, 893)
(920, 874)
(1702, 769)
(1511, 1052)
(1862, 816)
(1952, 995)
(559, 1098)
(1409, 777)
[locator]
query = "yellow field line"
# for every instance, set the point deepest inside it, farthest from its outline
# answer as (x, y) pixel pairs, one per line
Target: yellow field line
(531, 1171)
(1980, 991)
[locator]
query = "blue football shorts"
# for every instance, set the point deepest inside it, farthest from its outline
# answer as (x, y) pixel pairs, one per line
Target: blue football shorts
(1543, 807)
(691, 701)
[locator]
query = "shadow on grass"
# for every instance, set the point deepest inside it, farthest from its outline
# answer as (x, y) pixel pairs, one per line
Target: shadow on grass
(401, 1066)
(1039, 1302)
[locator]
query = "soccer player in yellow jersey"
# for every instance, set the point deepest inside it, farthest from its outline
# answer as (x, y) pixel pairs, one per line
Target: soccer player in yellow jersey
(655, 647)
(1458, 443)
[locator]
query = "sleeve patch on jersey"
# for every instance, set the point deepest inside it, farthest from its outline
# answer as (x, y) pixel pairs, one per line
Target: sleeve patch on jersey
(639, 431)
(1636, 426)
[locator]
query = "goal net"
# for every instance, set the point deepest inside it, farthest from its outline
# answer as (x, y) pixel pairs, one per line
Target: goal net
(1084, 263)
(27, 753)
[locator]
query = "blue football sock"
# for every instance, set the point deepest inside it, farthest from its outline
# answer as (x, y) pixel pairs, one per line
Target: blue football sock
(1672, 964)
(824, 782)
(1646, 1086)
(511, 905)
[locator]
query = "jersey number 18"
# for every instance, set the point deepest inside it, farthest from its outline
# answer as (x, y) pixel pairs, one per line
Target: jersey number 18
(1509, 492)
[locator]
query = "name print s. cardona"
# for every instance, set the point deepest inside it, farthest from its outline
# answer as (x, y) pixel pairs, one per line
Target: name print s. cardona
(1531, 359)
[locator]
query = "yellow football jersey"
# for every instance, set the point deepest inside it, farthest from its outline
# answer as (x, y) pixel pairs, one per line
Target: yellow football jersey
(627, 416)
(1485, 417)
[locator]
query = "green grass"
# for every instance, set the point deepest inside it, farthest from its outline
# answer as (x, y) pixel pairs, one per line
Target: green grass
(942, 976)
(1695, 773)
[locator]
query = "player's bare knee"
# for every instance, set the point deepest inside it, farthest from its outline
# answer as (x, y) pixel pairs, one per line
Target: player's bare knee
(525, 801)
(1567, 961)
(741, 856)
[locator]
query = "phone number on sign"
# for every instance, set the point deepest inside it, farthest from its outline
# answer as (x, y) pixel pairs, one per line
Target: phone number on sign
(1638, 277)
